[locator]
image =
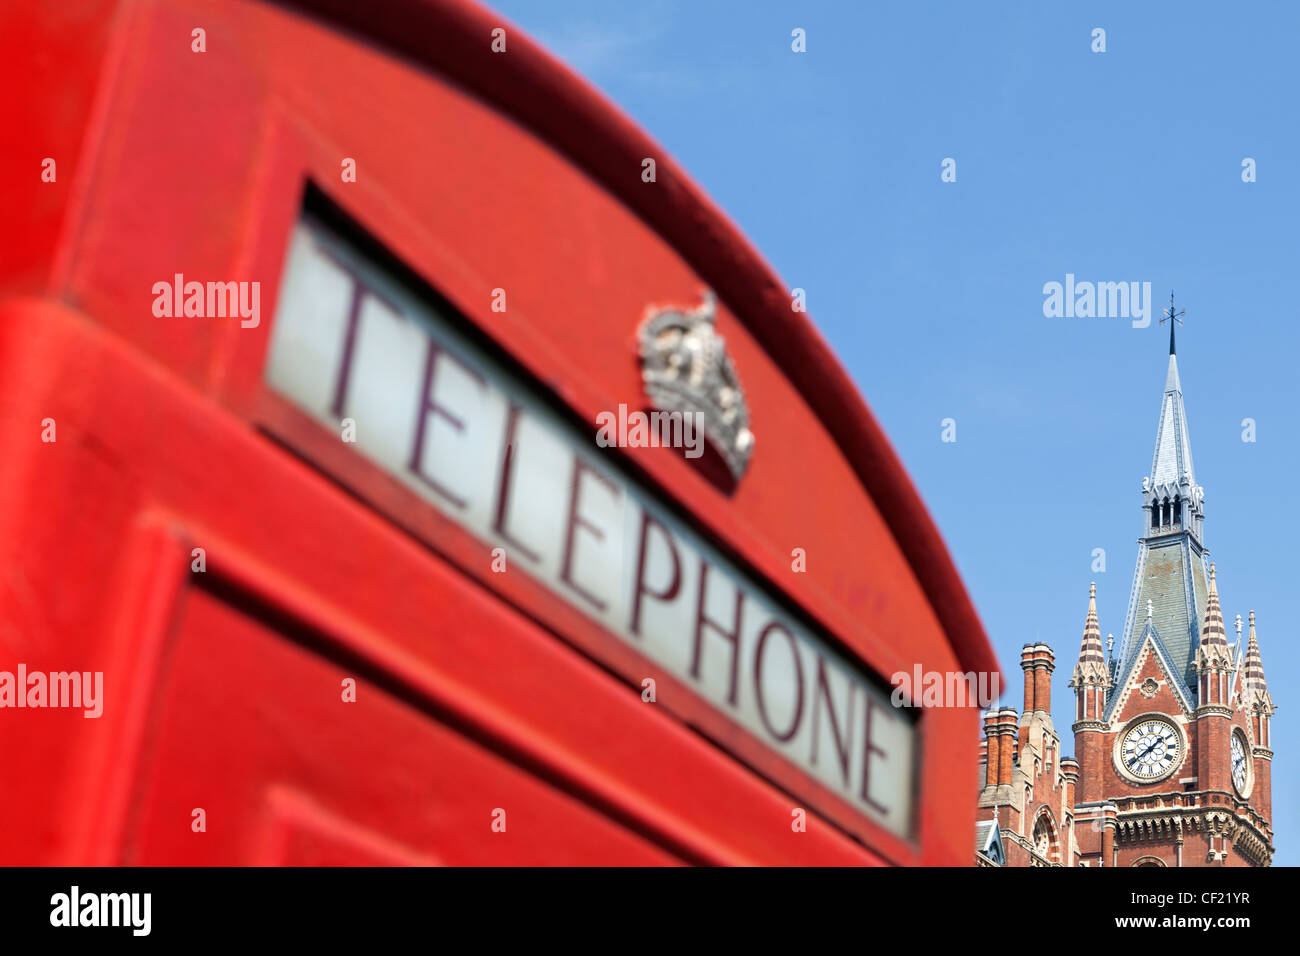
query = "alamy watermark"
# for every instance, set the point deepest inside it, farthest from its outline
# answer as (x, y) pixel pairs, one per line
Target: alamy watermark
(130, 910)
(1100, 300)
(945, 688)
(37, 689)
(637, 429)
(211, 300)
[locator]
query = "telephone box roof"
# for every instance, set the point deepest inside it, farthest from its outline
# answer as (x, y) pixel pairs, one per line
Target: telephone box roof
(450, 37)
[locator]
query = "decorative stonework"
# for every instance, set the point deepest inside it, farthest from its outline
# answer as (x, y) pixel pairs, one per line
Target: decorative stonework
(1147, 652)
(1136, 828)
(1222, 710)
(685, 367)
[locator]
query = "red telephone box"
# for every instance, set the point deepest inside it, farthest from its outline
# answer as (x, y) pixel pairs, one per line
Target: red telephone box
(333, 531)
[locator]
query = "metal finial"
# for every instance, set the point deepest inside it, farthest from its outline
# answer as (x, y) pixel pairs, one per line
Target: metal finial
(1150, 609)
(1174, 318)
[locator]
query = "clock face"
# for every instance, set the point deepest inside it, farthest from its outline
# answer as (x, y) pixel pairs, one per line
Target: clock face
(1240, 765)
(1150, 748)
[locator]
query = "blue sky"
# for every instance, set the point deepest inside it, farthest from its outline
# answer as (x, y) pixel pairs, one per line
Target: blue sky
(1116, 166)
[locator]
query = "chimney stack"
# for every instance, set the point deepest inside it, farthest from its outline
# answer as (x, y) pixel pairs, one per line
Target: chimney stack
(1044, 664)
(1027, 665)
(993, 747)
(1007, 732)
(1038, 661)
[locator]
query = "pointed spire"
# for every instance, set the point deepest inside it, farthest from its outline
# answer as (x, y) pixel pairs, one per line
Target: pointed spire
(1212, 631)
(1090, 650)
(1091, 678)
(1173, 511)
(1254, 666)
(1172, 382)
(1173, 452)
(1173, 455)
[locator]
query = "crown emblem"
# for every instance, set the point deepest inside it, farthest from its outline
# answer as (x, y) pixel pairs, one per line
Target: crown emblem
(685, 367)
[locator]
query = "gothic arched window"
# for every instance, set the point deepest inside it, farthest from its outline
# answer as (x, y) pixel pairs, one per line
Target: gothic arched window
(1045, 841)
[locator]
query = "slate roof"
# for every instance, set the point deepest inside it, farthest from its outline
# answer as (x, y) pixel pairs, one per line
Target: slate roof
(988, 841)
(1172, 576)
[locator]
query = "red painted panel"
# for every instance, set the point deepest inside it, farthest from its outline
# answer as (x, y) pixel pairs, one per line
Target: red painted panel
(54, 66)
(286, 537)
(394, 781)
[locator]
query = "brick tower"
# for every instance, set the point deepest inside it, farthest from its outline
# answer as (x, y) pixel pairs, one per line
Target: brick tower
(1172, 734)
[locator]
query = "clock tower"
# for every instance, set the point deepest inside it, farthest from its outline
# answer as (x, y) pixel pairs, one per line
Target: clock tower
(1172, 732)
(1172, 736)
